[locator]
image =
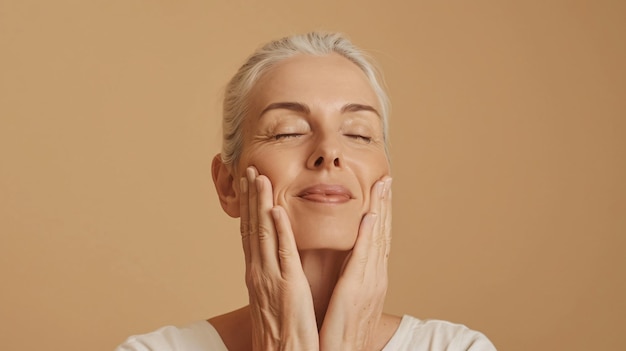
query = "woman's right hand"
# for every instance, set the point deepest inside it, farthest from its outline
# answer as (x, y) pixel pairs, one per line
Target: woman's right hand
(281, 305)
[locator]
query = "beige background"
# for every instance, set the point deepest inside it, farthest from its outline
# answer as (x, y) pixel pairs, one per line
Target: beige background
(508, 145)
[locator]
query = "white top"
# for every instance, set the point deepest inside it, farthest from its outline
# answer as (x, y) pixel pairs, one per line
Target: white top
(412, 335)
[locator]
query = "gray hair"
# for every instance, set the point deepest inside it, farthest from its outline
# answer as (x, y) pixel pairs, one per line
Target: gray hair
(315, 43)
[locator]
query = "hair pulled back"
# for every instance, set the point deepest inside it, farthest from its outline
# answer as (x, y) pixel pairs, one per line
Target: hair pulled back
(237, 91)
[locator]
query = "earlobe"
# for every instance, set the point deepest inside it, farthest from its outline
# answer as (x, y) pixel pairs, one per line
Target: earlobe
(225, 186)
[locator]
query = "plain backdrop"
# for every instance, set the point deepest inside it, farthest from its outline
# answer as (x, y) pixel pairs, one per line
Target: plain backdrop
(508, 147)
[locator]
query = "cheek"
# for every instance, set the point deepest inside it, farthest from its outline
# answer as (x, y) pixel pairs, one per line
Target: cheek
(281, 175)
(275, 163)
(370, 173)
(372, 167)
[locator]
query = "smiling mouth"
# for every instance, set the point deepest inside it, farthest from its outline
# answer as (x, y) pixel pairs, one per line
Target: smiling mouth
(333, 194)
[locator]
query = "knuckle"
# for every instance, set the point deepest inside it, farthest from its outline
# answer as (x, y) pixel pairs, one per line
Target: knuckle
(264, 232)
(253, 230)
(362, 259)
(380, 242)
(284, 253)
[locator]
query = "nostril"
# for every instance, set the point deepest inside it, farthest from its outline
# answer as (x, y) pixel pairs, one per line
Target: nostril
(336, 162)
(319, 161)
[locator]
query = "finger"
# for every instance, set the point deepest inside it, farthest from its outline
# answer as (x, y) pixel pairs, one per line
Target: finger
(251, 175)
(375, 235)
(289, 258)
(382, 206)
(364, 251)
(360, 256)
(244, 224)
(382, 231)
(376, 244)
(268, 247)
(386, 213)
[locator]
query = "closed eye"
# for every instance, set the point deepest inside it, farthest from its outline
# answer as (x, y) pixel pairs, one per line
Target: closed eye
(287, 136)
(359, 137)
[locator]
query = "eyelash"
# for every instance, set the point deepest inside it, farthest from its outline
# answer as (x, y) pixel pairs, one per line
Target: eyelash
(363, 138)
(360, 137)
(287, 136)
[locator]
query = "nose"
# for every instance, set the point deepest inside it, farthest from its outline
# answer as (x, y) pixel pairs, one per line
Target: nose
(327, 154)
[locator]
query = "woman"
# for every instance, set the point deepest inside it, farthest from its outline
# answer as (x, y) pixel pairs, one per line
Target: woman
(305, 167)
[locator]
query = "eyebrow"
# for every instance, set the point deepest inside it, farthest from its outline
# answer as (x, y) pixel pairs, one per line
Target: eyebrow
(302, 108)
(359, 107)
(292, 106)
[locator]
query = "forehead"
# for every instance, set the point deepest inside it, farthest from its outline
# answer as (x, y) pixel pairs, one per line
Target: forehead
(329, 80)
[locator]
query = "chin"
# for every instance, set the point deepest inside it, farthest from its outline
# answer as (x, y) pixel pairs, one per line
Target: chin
(326, 234)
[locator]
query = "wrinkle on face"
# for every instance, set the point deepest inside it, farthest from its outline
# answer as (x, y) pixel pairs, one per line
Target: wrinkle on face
(308, 106)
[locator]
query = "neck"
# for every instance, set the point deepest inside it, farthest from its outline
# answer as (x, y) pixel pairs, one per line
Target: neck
(322, 268)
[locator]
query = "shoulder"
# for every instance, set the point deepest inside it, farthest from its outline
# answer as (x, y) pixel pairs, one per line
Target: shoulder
(195, 336)
(432, 335)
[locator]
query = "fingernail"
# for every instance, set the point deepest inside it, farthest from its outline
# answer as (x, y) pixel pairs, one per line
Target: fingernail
(243, 185)
(388, 187)
(381, 188)
(370, 219)
(250, 173)
(275, 213)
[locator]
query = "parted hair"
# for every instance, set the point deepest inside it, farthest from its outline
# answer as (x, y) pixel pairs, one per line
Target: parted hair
(236, 95)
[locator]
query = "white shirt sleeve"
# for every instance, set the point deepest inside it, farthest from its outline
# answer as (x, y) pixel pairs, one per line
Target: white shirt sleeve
(198, 336)
(436, 335)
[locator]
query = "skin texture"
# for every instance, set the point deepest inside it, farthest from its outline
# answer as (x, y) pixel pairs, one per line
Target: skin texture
(313, 194)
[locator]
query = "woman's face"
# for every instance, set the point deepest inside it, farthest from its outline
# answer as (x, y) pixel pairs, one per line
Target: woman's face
(314, 130)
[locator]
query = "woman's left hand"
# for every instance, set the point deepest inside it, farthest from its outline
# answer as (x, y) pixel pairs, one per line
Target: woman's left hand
(356, 306)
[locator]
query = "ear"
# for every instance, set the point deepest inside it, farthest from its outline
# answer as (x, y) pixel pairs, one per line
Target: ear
(225, 186)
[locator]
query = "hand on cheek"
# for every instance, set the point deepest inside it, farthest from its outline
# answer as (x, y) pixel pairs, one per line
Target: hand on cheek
(357, 302)
(281, 305)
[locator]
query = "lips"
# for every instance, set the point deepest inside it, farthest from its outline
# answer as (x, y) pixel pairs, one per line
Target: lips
(325, 193)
